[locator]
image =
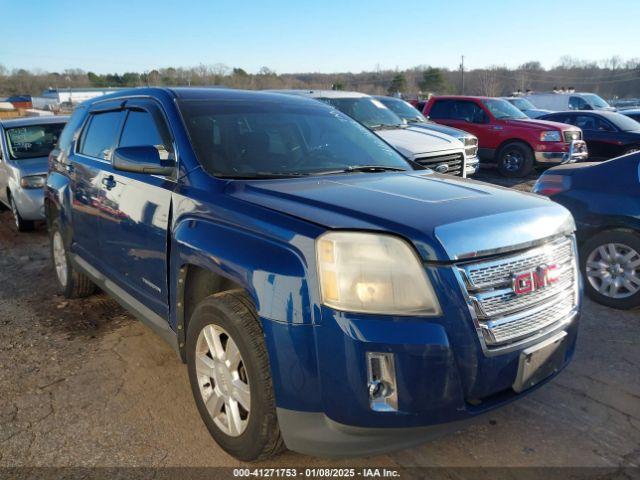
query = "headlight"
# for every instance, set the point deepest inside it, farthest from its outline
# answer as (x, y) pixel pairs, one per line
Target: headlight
(373, 273)
(33, 181)
(550, 136)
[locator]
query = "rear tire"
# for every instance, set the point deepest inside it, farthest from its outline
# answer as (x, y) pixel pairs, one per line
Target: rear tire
(515, 160)
(226, 326)
(21, 224)
(610, 265)
(71, 283)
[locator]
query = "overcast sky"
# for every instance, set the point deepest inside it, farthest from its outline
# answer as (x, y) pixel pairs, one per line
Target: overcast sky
(302, 36)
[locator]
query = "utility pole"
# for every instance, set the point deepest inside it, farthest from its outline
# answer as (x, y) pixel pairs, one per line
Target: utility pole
(462, 75)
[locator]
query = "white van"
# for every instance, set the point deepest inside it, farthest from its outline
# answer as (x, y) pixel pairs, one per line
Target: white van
(558, 102)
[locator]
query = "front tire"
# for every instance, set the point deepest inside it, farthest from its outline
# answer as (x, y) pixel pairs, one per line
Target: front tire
(515, 160)
(21, 224)
(610, 264)
(71, 283)
(230, 376)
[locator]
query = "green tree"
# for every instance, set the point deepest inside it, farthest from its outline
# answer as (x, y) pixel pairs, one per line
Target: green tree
(433, 81)
(398, 84)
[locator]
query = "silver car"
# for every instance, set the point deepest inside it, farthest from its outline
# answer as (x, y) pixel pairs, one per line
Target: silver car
(25, 144)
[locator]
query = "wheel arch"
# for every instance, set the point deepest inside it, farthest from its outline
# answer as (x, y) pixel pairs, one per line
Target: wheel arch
(209, 258)
(512, 140)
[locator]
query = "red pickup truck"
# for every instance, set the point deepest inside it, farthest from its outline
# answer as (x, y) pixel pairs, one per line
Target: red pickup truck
(507, 136)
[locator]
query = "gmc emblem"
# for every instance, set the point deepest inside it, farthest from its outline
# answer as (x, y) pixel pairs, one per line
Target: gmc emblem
(532, 280)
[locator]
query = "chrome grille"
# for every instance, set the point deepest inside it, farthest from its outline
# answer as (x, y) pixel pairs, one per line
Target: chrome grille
(470, 146)
(454, 162)
(505, 317)
(511, 331)
(498, 272)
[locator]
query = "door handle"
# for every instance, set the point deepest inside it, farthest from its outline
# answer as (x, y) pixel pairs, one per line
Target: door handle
(109, 182)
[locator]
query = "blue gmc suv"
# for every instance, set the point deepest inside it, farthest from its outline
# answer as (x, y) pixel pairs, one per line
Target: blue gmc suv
(326, 295)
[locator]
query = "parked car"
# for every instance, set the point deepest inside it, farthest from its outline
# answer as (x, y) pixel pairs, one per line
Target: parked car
(25, 144)
(604, 199)
(633, 113)
(507, 136)
(327, 294)
(438, 151)
(608, 134)
(413, 117)
(568, 101)
(526, 107)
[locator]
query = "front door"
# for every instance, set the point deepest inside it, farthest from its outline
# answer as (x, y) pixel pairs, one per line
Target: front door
(135, 218)
(90, 156)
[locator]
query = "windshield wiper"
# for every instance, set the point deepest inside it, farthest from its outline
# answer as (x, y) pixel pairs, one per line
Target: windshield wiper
(264, 175)
(363, 168)
(386, 126)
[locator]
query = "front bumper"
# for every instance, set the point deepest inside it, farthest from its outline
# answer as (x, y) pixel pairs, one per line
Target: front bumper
(576, 152)
(444, 378)
(472, 166)
(30, 203)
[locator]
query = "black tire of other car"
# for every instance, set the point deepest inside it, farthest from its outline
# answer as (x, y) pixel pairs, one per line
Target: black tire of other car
(71, 282)
(233, 313)
(21, 224)
(626, 240)
(515, 160)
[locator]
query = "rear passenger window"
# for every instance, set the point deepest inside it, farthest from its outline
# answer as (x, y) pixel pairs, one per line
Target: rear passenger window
(101, 135)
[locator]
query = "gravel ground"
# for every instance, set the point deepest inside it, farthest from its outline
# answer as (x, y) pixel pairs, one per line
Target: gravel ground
(82, 384)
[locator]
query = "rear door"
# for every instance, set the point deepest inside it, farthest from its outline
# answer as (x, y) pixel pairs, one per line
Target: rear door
(91, 155)
(135, 220)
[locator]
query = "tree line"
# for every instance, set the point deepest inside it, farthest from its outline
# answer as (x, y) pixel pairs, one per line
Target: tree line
(611, 78)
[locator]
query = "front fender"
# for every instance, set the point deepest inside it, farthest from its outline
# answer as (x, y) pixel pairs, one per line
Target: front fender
(274, 274)
(57, 202)
(279, 280)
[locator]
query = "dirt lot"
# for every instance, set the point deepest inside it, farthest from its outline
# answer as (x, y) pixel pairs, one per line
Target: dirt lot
(83, 384)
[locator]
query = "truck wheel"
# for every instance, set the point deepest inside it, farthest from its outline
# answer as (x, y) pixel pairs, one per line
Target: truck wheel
(515, 160)
(71, 283)
(230, 376)
(21, 224)
(610, 264)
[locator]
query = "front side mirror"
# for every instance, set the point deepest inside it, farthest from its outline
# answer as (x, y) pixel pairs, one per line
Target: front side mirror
(142, 159)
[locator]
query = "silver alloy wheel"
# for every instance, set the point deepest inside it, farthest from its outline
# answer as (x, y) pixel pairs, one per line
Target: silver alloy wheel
(513, 160)
(14, 212)
(613, 269)
(60, 258)
(223, 380)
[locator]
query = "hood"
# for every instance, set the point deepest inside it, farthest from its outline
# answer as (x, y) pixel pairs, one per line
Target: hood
(446, 218)
(411, 141)
(537, 112)
(436, 127)
(541, 124)
(31, 166)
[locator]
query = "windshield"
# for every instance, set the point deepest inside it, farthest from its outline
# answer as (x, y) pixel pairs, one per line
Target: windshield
(624, 123)
(522, 104)
(32, 141)
(403, 109)
(243, 139)
(368, 111)
(595, 100)
(503, 110)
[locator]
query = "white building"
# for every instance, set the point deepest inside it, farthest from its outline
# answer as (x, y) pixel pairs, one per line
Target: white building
(75, 95)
